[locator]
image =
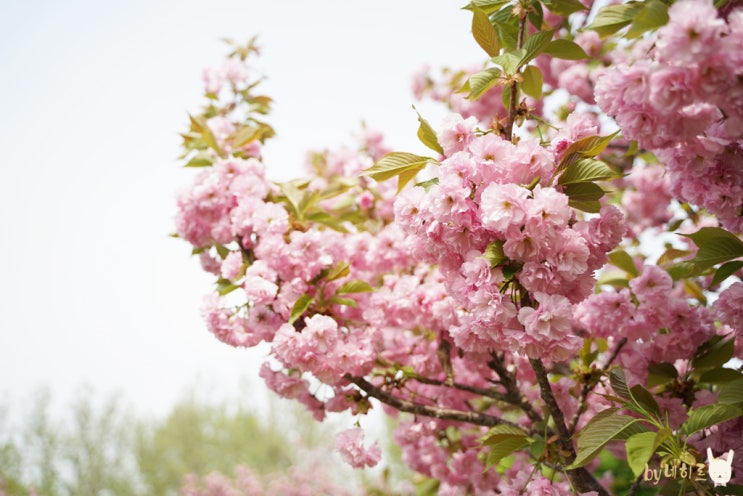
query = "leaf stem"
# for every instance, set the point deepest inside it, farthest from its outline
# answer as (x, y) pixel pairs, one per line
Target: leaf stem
(514, 101)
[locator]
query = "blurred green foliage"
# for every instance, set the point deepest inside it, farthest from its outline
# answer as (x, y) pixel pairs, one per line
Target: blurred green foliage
(100, 447)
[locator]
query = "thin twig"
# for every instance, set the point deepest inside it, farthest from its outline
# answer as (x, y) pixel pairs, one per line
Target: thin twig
(489, 393)
(514, 101)
(513, 393)
(583, 402)
(408, 406)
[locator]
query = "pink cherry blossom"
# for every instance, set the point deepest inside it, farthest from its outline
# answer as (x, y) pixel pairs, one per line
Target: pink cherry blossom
(350, 444)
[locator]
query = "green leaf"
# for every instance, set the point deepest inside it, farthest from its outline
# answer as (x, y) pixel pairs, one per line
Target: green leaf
(642, 446)
(731, 393)
(564, 7)
(643, 399)
(565, 49)
(661, 373)
(339, 270)
(533, 81)
(503, 440)
(726, 270)
(508, 61)
(225, 286)
(480, 82)
(300, 306)
(537, 447)
(535, 45)
(405, 177)
(491, 437)
(428, 183)
(494, 254)
(511, 270)
(716, 245)
(623, 260)
(612, 18)
(683, 270)
(394, 164)
(613, 279)
(670, 255)
(427, 135)
(709, 415)
(535, 14)
(597, 433)
(484, 32)
(293, 191)
(720, 375)
(199, 124)
(222, 250)
(619, 383)
(201, 159)
(590, 146)
(487, 6)
(340, 300)
(584, 196)
(630, 431)
(244, 135)
(653, 15)
(324, 218)
(714, 353)
(309, 199)
(338, 186)
(505, 446)
(507, 26)
(354, 286)
(585, 170)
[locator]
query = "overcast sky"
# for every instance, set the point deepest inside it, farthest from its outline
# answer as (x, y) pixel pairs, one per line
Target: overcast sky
(93, 95)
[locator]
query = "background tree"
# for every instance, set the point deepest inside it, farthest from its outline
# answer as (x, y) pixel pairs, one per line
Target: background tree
(98, 446)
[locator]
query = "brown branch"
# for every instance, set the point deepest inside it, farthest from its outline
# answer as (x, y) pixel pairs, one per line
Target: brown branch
(513, 393)
(489, 393)
(425, 410)
(581, 478)
(587, 388)
(635, 486)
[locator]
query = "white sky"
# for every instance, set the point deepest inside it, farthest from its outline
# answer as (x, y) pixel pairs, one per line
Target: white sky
(92, 97)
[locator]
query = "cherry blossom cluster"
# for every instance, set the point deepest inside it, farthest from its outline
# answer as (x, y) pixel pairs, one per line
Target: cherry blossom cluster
(493, 193)
(655, 316)
(469, 298)
(682, 98)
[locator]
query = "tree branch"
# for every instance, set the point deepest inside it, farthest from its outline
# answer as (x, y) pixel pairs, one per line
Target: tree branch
(425, 410)
(582, 404)
(488, 393)
(513, 393)
(581, 478)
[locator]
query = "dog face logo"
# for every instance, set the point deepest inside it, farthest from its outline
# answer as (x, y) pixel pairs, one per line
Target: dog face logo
(720, 469)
